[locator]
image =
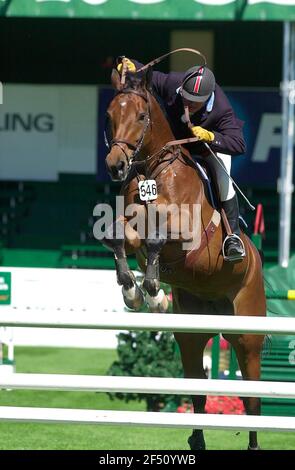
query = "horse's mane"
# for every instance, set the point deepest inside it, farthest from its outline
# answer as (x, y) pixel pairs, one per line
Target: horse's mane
(134, 82)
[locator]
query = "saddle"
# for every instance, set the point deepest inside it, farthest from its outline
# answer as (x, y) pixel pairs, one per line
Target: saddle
(208, 176)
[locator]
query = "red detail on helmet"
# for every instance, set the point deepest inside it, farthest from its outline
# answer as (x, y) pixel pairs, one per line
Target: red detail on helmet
(198, 80)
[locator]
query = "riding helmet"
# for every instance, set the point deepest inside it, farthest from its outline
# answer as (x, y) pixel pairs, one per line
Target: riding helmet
(198, 83)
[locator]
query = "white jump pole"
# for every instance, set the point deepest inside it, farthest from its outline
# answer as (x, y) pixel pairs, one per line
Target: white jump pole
(143, 418)
(179, 386)
(149, 322)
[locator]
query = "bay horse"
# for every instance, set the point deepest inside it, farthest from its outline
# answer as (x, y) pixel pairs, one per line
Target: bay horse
(202, 281)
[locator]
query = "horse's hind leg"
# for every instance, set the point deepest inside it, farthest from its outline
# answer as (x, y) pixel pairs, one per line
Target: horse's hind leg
(192, 346)
(115, 240)
(248, 349)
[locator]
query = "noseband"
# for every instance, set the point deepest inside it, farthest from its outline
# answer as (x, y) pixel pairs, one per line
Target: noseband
(135, 147)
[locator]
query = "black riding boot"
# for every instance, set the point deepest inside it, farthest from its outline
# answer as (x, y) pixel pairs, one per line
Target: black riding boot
(233, 245)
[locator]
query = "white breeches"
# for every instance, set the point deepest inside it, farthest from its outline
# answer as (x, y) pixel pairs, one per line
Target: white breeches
(226, 189)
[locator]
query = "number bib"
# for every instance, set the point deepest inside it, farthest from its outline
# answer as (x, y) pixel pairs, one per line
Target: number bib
(147, 190)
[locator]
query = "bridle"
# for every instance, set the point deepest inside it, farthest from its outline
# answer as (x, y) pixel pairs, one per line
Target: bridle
(135, 147)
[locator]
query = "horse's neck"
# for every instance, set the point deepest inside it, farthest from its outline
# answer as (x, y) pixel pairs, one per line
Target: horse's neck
(161, 131)
(161, 134)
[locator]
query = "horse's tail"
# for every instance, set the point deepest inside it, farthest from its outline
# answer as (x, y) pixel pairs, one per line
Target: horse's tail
(266, 346)
(261, 254)
(267, 343)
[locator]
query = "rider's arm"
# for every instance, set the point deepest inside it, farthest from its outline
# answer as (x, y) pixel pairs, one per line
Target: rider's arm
(227, 128)
(229, 137)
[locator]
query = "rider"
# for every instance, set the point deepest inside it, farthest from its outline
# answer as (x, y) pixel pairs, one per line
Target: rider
(214, 122)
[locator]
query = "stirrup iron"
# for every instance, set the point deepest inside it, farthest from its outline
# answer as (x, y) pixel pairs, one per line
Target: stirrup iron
(236, 257)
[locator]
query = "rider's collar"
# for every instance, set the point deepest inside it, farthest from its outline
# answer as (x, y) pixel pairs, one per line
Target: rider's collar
(210, 103)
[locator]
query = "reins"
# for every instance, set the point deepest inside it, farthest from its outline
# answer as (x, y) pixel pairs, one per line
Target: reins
(158, 60)
(162, 57)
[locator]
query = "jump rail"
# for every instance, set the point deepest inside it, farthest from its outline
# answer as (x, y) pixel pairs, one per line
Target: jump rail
(152, 322)
(143, 418)
(124, 384)
(281, 294)
(148, 322)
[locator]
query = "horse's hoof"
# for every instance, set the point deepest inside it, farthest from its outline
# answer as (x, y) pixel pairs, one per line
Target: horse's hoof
(133, 297)
(159, 303)
(126, 279)
(196, 441)
(152, 286)
(253, 448)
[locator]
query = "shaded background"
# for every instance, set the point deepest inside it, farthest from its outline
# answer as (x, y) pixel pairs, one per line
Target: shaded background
(76, 51)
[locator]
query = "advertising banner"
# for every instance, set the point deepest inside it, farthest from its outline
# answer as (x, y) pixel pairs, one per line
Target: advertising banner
(46, 130)
(5, 288)
(261, 112)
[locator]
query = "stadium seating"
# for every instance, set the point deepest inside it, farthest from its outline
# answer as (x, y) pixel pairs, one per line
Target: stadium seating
(58, 216)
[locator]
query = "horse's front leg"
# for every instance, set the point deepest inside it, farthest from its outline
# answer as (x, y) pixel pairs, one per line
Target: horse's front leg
(116, 240)
(156, 297)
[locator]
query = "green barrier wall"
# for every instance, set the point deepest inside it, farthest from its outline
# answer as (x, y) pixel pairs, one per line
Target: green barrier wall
(278, 362)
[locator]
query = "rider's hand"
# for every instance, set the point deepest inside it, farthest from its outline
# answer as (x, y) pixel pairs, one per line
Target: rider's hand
(130, 66)
(202, 134)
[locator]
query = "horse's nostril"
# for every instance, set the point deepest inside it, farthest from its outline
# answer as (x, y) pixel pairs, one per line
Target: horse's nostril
(120, 165)
(117, 171)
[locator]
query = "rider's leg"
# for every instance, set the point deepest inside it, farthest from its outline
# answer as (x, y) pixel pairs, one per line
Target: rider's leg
(234, 248)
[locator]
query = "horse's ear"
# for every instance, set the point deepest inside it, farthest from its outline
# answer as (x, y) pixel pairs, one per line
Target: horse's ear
(116, 79)
(147, 79)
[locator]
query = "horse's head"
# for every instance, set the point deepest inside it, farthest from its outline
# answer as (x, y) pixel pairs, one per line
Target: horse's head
(128, 122)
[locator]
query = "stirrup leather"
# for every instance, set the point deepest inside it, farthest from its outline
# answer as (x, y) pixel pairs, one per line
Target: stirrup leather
(233, 257)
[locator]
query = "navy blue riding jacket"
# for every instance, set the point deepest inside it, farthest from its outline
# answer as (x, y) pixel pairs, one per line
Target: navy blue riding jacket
(216, 115)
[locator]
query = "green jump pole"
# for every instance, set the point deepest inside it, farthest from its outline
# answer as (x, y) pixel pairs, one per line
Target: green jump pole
(281, 294)
(257, 240)
(215, 351)
(233, 364)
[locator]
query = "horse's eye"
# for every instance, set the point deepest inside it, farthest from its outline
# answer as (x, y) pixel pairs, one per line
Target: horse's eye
(141, 117)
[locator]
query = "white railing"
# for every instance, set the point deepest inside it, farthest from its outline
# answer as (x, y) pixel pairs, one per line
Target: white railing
(89, 383)
(89, 319)
(145, 321)
(142, 418)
